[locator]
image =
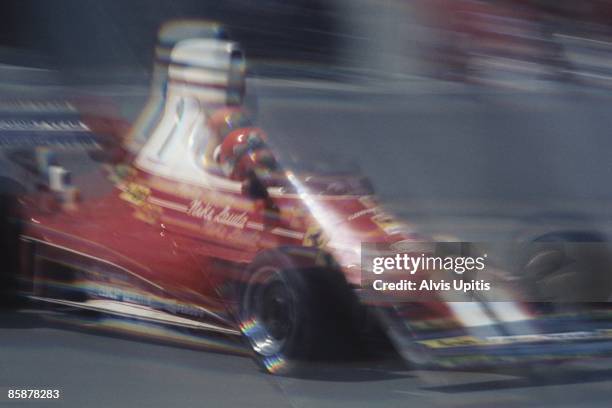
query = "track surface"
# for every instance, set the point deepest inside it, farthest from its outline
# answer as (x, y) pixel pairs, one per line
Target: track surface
(102, 370)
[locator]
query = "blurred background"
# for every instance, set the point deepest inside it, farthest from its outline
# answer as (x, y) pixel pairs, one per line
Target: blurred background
(453, 39)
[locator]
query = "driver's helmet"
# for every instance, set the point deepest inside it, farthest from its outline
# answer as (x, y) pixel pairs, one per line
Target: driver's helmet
(225, 120)
(221, 123)
(244, 150)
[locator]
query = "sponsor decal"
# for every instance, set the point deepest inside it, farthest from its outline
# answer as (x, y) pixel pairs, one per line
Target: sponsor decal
(198, 209)
(223, 233)
(315, 237)
(129, 295)
(135, 194)
(226, 216)
(236, 236)
(462, 341)
(215, 210)
(435, 324)
(233, 219)
(567, 336)
(361, 213)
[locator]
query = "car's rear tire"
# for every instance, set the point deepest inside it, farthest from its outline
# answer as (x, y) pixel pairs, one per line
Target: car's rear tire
(10, 230)
(293, 317)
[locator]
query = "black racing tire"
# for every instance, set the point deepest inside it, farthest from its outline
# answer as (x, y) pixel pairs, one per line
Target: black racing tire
(292, 318)
(10, 231)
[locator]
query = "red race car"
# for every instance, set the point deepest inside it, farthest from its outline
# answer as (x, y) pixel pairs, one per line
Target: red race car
(191, 221)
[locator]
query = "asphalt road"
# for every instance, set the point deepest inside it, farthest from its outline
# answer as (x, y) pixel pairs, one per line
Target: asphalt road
(95, 369)
(450, 160)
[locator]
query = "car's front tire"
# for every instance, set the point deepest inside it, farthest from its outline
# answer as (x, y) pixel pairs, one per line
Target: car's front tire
(292, 317)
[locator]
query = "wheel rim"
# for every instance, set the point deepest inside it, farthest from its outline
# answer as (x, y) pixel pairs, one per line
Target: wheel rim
(268, 312)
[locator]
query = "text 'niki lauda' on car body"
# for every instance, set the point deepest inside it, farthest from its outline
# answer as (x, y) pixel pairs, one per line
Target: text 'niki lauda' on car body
(170, 232)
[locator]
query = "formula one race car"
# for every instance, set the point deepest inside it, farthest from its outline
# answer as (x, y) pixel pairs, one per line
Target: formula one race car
(191, 221)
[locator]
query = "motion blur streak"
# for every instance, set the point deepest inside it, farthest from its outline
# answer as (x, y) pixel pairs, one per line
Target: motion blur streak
(148, 331)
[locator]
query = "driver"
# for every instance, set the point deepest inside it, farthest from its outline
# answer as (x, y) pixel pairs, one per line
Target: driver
(221, 123)
(245, 150)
